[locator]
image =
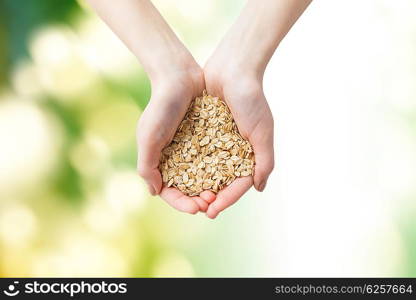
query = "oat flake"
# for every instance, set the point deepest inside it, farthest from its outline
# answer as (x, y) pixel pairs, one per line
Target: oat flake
(207, 151)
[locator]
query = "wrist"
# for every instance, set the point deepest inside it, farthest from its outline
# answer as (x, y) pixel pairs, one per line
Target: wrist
(233, 69)
(236, 57)
(166, 62)
(186, 79)
(251, 41)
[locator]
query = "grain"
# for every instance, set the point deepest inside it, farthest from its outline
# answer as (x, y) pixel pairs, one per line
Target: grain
(207, 151)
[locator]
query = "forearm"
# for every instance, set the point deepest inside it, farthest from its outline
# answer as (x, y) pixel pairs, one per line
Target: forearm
(259, 29)
(144, 31)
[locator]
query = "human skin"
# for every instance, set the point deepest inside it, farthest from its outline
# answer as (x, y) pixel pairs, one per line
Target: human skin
(234, 72)
(175, 79)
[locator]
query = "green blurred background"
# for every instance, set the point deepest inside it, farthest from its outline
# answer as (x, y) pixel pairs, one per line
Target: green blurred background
(71, 203)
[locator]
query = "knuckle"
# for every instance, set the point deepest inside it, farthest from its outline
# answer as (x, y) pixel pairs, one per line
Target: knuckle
(213, 207)
(266, 168)
(271, 166)
(142, 170)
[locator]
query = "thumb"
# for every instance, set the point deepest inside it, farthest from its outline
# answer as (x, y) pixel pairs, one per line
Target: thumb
(147, 164)
(264, 156)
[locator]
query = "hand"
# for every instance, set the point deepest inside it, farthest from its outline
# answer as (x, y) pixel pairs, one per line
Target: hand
(171, 95)
(234, 73)
(242, 91)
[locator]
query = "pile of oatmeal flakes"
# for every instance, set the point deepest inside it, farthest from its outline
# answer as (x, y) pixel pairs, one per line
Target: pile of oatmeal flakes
(207, 151)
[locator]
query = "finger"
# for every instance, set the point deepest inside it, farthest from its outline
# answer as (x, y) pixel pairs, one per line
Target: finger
(203, 206)
(208, 196)
(264, 166)
(179, 201)
(262, 142)
(229, 195)
(152, 177)
(148, 162)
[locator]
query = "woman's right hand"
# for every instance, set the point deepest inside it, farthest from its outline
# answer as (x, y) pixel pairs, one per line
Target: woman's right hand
(172, 93)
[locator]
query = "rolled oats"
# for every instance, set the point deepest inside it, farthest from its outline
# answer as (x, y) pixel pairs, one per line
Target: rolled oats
(207, 151)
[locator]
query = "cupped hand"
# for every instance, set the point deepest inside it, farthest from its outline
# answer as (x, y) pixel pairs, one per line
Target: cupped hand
(171, 96)
(243, 93)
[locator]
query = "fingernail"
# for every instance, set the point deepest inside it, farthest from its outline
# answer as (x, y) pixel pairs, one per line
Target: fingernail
(262, 186)
(157, 191)
(151, 189)
(211, 215)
